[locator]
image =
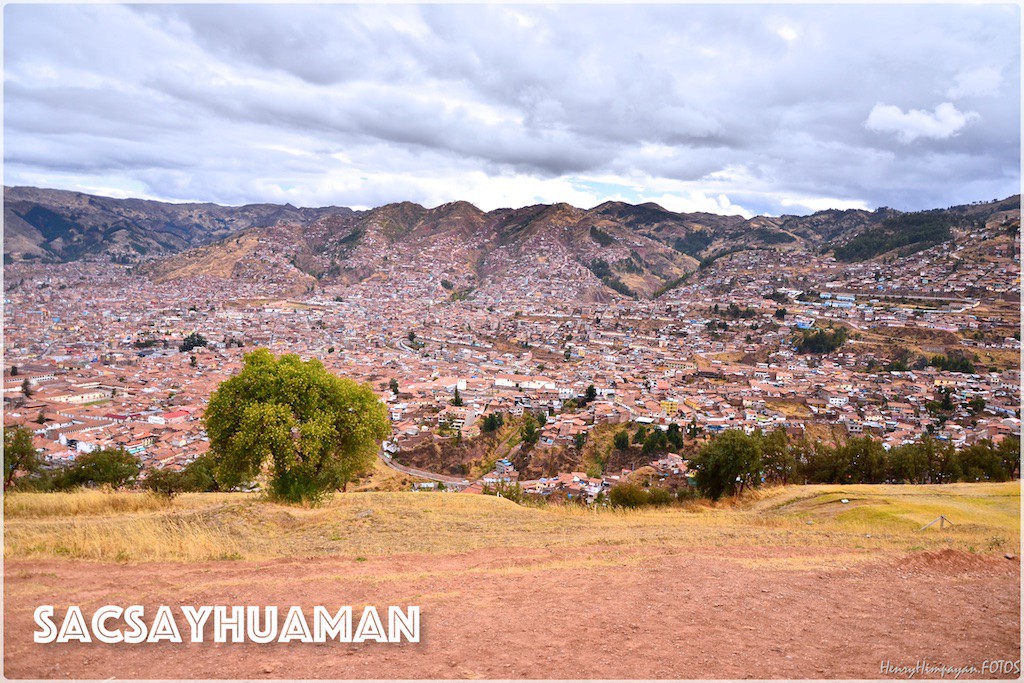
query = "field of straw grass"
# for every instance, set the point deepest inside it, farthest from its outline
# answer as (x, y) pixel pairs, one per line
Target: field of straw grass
(140, 527)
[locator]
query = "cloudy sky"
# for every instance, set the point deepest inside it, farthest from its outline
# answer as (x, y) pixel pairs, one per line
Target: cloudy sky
(723, 108)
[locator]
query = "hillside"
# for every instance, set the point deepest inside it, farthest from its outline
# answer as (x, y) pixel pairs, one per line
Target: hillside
(57, 225)
(613, 249)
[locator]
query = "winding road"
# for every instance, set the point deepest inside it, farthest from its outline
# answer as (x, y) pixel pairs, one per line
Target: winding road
(422, 474)
(443, 478)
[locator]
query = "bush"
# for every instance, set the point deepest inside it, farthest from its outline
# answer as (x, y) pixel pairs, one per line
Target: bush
(166, 483)
(659, 497)
(197, 476)
(105, 467)
(628, 496)
(634, 496)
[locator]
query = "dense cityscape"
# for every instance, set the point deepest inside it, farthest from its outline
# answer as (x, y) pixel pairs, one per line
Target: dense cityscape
(101, 355)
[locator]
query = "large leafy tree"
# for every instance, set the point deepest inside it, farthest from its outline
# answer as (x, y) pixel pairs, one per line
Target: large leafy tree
(866, 458)
(19, 453)
(780, 463)
(729, 463)
(313, 430)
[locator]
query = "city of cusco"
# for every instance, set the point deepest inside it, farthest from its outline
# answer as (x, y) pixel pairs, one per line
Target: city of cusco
(401, 322)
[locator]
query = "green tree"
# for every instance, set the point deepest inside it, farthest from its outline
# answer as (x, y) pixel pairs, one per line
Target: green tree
(107, 466)
(821, 341)
(728, 463)
(19, 454)
(621, 440)
(983, 461)
(656, 442)
(393, 385)
(675, 436)
(640, 435)
(492, 422)
(198, 475)
(976, 404)
(908, 464)
(166, 483)
(14, 371)
(26, 388)
(866, 458)
(201, 474)
(530, 432)
(192, 341)
(591, 394)
(1008, 452)
(457, 398)
(942, 406)
(780, 463)
(315, 431)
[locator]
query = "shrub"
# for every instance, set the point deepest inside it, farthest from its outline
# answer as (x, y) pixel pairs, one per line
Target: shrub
(628, 496)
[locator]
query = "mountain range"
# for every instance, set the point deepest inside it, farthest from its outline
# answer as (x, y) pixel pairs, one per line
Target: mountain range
(632, 249)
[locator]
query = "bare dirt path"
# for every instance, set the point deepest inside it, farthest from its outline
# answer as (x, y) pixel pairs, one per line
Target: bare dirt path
(583, 613)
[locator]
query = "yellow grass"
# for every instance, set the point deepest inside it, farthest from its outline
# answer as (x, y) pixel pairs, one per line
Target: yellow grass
(82, 502)
(788, 408)
(195, 527)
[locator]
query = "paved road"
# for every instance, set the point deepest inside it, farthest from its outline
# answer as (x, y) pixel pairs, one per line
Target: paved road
(423, 474)
(444, 478)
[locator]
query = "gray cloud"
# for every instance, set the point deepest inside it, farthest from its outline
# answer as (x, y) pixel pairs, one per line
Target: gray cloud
(779, 109)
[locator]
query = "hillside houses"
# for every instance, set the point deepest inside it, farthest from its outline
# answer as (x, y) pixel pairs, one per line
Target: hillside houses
(97, 346)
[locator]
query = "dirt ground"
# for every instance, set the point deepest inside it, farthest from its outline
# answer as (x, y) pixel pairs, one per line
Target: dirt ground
(597, 612)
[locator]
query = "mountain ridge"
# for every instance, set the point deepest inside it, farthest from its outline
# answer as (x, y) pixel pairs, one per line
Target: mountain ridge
(634, 249)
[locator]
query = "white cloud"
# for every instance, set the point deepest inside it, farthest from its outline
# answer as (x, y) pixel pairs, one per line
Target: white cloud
(981, 82)
(693, 201)
(717, 107)
(788, 33)
(943, 123)
(822, 203)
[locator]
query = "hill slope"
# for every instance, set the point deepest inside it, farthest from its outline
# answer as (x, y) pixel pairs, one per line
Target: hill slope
(634, 250)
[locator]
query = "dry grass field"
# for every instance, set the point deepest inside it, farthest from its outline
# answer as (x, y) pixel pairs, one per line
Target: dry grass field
(788, 582)
(94, 525)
